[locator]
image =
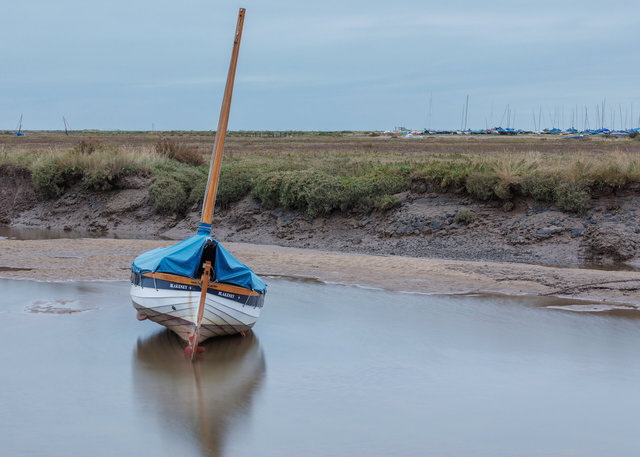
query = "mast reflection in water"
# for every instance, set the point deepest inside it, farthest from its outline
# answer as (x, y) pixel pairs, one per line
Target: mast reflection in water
(209, 397)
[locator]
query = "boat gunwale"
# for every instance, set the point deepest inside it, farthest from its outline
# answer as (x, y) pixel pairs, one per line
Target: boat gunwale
(219, 286)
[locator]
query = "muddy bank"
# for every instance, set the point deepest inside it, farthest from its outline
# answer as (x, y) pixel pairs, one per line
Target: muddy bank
(102, 259)
(428, 223)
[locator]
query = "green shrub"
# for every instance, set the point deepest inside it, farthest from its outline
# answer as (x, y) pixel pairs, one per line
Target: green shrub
(502, 190)
(100, 179)
(385, 202)
(449, 173)
(293, 187)
(167, 195)
(480, 186)
(464, 216)
(47, 178)
(541, 186)
(188, 177)
(314, 192)
(319, 193)
(267, 188)
(199, 188)
(362, 194)
(234, 185)
(173, 192)
(322, 193)
(572, 196)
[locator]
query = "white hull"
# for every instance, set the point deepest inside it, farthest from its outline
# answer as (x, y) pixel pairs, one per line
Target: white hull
(177, 310)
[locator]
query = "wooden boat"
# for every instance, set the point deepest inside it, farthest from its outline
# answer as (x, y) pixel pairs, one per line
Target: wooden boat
(196, 287)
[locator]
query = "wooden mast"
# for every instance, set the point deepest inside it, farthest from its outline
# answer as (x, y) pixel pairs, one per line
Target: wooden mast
(191, 350)
(216, 158)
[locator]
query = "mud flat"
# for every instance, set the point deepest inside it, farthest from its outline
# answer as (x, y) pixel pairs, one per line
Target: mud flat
(110, 259)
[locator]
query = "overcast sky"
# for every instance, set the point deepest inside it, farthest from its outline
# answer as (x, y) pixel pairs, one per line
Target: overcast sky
(323, 65)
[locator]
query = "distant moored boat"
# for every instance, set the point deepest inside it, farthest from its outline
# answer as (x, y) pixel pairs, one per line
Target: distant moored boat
(18, 130)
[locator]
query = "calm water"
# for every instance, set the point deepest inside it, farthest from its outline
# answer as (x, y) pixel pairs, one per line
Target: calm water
(329, 371)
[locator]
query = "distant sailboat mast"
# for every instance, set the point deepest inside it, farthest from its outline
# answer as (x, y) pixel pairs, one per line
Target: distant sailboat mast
(573, 120)
(430, 113)
(613, 119)
(18, 131)
(586, 118)
(491, 116)
(466, 114)
(503, 116)
(540, 118)
(622, 120)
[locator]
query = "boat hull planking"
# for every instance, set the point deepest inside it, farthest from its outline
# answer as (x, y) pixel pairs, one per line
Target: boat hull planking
(228, 310)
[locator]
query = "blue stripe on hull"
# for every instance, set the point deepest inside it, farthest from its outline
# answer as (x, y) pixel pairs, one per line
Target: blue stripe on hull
(256, 301)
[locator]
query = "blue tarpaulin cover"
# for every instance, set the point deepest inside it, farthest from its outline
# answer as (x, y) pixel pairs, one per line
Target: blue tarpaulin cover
(184, 259)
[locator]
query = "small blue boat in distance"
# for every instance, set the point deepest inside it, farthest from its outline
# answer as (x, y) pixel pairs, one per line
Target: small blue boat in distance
(18, 130)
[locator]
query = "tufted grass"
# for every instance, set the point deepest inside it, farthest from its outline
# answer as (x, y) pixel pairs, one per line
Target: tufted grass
(334, 172)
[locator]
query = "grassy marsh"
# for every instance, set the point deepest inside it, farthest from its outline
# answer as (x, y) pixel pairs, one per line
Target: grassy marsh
(322, 173)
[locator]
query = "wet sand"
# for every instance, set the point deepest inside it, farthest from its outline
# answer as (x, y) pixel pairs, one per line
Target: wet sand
(110, 259)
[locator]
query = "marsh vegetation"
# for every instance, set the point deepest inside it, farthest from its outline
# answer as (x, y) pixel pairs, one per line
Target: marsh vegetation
(321, 173)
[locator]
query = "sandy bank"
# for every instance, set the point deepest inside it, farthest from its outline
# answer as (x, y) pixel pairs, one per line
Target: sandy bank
(90, 259)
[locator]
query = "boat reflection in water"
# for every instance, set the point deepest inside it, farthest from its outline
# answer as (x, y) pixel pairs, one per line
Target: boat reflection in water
(208, 397)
